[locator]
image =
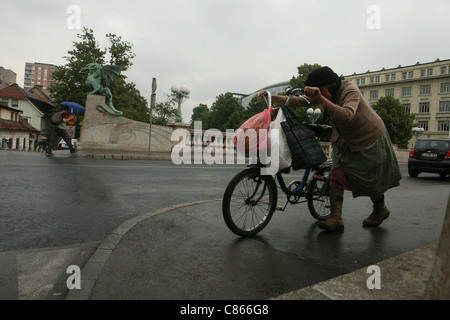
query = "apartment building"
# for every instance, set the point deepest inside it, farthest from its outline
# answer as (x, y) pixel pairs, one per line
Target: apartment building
(8, 76)
(38, 74)
(423, 88)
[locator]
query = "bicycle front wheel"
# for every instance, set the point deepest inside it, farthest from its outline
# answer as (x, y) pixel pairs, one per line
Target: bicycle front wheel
(249, 202)
(318, 194)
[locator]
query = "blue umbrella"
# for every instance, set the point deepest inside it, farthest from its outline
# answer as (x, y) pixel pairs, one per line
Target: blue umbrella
(74, 107)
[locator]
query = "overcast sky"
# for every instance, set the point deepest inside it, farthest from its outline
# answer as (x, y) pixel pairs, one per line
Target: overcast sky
(213, 46)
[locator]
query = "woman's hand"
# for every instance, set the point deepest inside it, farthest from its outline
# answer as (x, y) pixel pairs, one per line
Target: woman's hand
(314, 94)
(262, 94)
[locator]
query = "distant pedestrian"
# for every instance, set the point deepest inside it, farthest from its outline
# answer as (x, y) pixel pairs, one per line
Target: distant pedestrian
(60, 130)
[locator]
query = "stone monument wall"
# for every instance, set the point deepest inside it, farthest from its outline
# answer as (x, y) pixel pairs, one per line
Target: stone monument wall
(102, 131)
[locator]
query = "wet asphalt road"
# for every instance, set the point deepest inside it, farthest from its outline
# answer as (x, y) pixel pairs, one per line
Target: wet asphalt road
(73, 202)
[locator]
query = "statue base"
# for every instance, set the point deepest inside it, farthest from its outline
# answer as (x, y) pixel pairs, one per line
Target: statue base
(102, 131)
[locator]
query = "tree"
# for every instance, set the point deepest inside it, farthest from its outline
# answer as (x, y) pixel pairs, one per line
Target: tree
(303, 73)
(398, 123)
(165, 111)
(299, 82)
(226, 113)
(201, 113)
(70, 78)
(255, 106)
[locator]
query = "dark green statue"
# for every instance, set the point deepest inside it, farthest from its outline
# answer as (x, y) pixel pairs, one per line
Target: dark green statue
(100, 78)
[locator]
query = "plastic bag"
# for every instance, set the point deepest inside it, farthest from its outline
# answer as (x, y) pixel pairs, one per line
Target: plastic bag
(285, 157)
(255, 139)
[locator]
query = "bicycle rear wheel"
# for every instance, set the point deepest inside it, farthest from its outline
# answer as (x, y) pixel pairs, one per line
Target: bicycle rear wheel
(249, 202)
(318, 194)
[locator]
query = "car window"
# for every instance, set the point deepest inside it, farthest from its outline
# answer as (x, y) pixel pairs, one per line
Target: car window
(433, 144)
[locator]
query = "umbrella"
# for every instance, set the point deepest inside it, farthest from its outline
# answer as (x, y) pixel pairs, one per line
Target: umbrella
(74, 107)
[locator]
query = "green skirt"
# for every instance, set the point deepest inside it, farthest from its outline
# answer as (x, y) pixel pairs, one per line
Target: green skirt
(370, 172)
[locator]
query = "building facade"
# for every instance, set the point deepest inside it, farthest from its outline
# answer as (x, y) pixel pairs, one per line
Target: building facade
(38, 74)
(423, 89)
(15, 132)
(8, 76)
(276, 88)
(33, 108)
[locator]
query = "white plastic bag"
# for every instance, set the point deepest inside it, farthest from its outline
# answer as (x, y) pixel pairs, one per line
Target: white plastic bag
(285, 158)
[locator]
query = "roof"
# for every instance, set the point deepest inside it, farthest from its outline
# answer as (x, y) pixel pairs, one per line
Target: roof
(21, 125)
(43, 94)
(16, 92)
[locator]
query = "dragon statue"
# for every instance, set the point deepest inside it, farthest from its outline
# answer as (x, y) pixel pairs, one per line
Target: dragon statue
(99, 79)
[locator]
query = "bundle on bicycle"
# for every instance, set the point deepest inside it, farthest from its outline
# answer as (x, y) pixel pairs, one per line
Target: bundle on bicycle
(251, 197)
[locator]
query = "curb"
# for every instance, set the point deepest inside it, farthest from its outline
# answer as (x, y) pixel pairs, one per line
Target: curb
(93, 267)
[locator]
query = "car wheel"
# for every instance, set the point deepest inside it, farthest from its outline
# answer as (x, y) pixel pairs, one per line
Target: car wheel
(413, 173)
(443, 175)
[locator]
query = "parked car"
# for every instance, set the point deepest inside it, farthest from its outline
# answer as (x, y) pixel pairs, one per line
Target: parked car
(430, 155)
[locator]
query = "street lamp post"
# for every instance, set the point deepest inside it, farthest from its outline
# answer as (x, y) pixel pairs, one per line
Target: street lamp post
(417, 131)
(313, 115)
(180, 93)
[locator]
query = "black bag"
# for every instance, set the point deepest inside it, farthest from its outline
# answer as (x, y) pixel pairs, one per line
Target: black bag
(305, 149)
(57, 118)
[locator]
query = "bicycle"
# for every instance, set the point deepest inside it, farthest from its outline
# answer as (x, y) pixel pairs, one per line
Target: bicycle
(250, 198)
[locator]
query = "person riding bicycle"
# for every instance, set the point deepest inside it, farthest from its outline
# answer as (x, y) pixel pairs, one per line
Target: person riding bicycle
(363, 159)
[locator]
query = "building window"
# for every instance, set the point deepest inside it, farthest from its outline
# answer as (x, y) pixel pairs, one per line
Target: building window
(443, 125)
(389, 92)
(423, 124)
(373, 94)
(404, 74)
(372, 80)
(444, 106)
(425, 90)
(15, 103)
(407, 107)
(358, 82)
(430, 72)
(406, 92)
(445, 87)
(363, 81)
(443, 70)
(393, 77)
(424, 107)
(422, 73)
(388, 77)
(410, 74)
(377, 79)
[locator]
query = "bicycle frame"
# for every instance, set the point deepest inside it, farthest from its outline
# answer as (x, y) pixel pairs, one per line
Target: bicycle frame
(250, 198)
(297, 191)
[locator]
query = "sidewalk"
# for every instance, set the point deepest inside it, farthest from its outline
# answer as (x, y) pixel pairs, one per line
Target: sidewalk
(124, 155)
(404, 277)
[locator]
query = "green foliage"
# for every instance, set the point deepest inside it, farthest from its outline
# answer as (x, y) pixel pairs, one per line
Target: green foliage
(70, 78)
(303, 73)
(398, 123)
(226, 113)
(165, 111)
(201, 113)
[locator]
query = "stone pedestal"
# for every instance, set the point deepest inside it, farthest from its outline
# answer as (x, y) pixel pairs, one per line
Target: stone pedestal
(102, 131)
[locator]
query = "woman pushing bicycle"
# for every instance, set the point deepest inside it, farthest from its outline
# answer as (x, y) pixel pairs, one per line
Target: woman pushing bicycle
(363, 160)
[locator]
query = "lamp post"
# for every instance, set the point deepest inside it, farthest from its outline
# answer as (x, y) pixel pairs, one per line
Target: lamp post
(180, 93)
(313, 115)
(418, 131)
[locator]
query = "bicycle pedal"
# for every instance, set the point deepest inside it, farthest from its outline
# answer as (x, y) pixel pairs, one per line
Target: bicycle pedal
(279, 208)
(320, 177)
